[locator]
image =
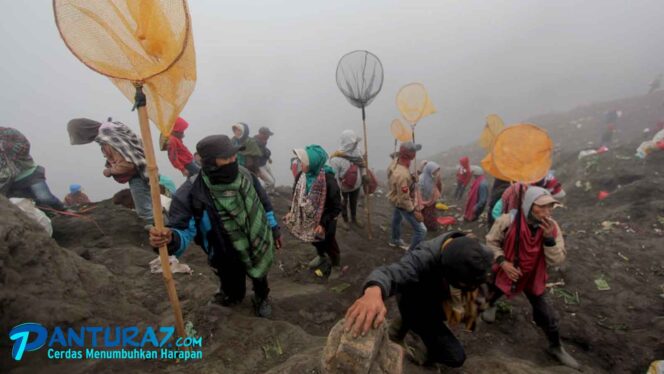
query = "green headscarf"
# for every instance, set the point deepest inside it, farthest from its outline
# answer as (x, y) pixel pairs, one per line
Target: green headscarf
(317, 160)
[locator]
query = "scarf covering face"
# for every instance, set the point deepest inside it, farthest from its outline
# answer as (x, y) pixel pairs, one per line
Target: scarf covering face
(317, 159)
(221, 174)
(307, 207)
(125, 141)
(244, 221)
(428, 186)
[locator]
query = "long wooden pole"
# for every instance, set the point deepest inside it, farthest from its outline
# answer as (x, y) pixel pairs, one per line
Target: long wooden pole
(367, 198)
(156, 206)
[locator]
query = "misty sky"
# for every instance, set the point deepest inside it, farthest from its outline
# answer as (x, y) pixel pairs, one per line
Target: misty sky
(272, 63)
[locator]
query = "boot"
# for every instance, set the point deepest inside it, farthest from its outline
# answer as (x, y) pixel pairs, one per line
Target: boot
(560, 354)
(262, 306)
(489, 315)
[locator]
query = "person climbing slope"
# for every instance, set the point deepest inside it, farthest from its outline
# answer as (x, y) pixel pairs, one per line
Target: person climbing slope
(348, 165)
(178, 153)
(228, 214)
(523, 244)
(315, 205)
(20, 176)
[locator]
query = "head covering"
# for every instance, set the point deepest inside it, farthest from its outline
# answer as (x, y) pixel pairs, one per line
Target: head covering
(216, 146)
(302, 156)
(180, 125)
(120, 137)
(265, 131)
(244, 128)
(466, 262)
(316, 157)
(74, 188)
(539, 194)
(427, 180)
(82, 130)
(348, 144)
(407, 150)
(476, 170)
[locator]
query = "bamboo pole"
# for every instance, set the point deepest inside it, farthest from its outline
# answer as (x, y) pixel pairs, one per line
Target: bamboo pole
(367, 199)
(156, 206)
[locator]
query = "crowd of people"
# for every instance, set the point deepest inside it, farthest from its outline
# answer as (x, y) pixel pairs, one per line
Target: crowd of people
(224, 206)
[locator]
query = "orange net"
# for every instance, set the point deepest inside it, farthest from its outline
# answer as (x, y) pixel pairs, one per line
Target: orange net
(414, 103)
(521, 153)
(147, 41)
(494, 125)
(400, 132)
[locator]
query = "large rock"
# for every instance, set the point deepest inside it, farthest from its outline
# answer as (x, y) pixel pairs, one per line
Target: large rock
(373, 353)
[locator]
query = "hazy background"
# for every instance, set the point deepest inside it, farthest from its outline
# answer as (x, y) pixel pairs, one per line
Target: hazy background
(272, 63)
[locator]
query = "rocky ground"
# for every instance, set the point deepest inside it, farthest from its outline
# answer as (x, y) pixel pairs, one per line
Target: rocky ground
(95, 271)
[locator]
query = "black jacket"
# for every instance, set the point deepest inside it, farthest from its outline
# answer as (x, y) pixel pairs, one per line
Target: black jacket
(192, 215)
(418, 272)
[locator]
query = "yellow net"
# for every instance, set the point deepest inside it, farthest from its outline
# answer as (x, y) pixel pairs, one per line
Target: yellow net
(494, 125)
(400, 132)
(147, 41)
(414, 103)
(521, 153)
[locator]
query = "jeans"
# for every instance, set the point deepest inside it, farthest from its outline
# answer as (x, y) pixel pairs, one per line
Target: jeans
(140, 193)
(265, 174)
(420, 231)
(43, 196)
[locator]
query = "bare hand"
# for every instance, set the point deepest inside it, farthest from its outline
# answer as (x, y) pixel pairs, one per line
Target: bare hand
(319, 231)
(548, 227)
(367, 311)
(418, 216)
(512, 272)
(107, 173)
(277, 242)
(159, 238)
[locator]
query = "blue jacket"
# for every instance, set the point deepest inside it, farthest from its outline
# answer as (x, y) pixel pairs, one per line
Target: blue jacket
(193, 216)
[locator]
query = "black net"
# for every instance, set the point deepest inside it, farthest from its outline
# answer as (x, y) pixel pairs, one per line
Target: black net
(360, 77)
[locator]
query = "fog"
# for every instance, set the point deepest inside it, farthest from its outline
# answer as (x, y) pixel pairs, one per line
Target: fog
(272, 63)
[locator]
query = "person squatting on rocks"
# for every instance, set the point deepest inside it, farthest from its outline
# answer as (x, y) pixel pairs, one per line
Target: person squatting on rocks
(348, 165)
(20, 176)
(402, 194)
(314, 208)
(421, 280)
(463, 177)
(264, 171)
(228, 214)
(251, 153)
(125, 162)
(76, 197)
(178, 153)
(431, 187)
(477, 196)
(523, 244)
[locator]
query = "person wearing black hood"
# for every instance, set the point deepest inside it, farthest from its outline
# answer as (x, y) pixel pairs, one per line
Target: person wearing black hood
(227, 213)
(421, 280)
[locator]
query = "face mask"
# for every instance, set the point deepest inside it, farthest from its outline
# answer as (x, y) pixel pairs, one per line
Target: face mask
(221, 174)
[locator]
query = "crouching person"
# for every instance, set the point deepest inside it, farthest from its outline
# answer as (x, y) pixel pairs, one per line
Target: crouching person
(421, 281)
(228, 214)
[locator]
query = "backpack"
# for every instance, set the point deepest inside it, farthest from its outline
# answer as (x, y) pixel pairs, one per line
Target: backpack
(349, 179)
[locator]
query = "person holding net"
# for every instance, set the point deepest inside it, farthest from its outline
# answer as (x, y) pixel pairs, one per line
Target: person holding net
(228, 214)
(348, 165)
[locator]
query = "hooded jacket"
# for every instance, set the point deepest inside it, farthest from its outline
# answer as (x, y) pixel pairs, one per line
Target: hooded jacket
(341, 161)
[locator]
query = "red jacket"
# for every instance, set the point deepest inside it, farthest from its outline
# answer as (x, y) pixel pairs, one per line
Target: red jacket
(178, 153)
